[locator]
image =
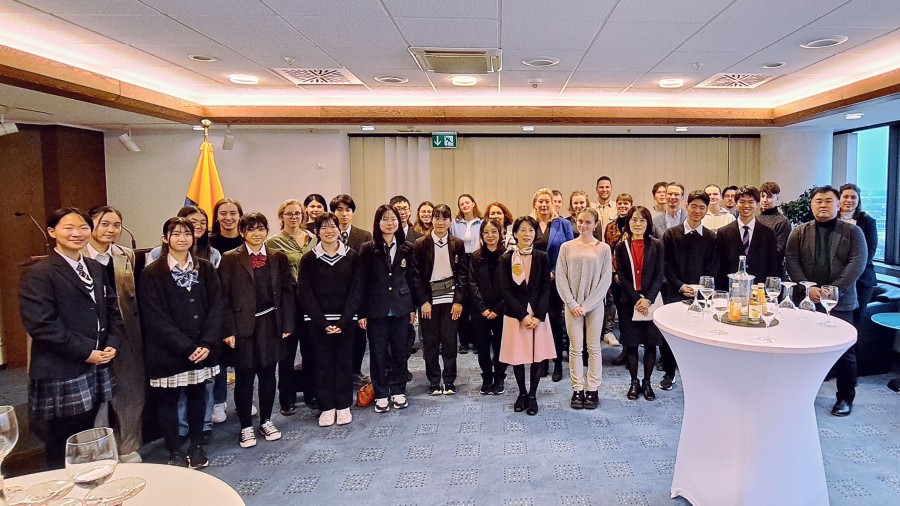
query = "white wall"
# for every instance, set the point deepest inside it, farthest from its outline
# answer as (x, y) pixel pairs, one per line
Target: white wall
(265, 168)
(796, 160)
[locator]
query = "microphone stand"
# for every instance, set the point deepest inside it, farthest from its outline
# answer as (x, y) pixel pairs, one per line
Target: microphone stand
(41, 230)
(133, 242)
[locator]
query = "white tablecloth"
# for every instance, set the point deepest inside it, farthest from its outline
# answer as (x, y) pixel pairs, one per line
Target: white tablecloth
(166, 485)
(749, 434)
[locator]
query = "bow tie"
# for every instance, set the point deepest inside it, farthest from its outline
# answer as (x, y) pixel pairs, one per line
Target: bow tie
(257, 260)
(185, 278)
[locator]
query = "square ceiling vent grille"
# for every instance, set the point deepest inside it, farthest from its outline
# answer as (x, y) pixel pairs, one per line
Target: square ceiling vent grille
(457, 61)
(306, 77)
(735, 81)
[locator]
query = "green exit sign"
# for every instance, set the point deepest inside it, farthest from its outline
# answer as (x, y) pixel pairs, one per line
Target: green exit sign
(443, 140)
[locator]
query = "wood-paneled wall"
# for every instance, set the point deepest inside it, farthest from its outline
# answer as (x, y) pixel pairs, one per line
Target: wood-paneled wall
(510, 169)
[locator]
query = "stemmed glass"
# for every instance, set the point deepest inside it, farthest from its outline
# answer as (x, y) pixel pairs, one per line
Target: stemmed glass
(788, 302)
(828, 297)
(767, 312)
(773, 288)
(696, 309)
(91, 457)
(807, 304)
(9, 435)
(719, 308)
(707, 289)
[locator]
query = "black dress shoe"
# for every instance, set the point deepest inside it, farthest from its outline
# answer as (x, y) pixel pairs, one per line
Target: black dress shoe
(591, 399)
(842, 408)
(521, 401)
(577, 401)
(634, 390)
(648, 391)
(289, 409)
(532, 406)
(462, 350)
(619, 359)
(557, 373)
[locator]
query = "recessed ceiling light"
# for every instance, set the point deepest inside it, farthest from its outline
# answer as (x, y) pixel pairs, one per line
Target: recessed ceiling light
(773, 65)
(825, 42)
(681, 129)
(203, 58)
(243, 79)
(368, 128)
(853, 115)
(543, 61)
(464, 80)
(673, 82)
(392, 79)
(528, 128)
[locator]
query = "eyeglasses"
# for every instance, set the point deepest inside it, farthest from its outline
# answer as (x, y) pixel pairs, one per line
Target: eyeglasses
(257, 229)
(292, 215)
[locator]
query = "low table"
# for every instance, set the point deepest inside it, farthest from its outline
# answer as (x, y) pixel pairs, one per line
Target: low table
(166, 485)
(891, 321)
(749, 433)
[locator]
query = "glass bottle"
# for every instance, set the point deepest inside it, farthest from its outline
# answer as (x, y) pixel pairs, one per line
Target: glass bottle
(735, 304)
(744, 281)
(754, 308)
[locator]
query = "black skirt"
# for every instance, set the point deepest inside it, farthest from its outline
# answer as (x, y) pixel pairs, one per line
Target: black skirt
(263, 348)
(636, 333)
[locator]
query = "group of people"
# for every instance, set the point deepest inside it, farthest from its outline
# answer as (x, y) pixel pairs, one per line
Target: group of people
(519, 291)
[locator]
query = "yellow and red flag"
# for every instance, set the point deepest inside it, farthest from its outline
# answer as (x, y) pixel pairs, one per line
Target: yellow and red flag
(205, 188)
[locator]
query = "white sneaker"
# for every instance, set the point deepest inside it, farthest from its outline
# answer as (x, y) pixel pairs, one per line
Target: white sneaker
(344, 416)
(253, 410)
(270, 431)
(327, 418)
(218, 414)
(610, 339)
(248, 437)
(382, 405)
(399, 401)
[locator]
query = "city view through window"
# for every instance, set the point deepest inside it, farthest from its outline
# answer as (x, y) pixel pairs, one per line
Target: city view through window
(872, 167)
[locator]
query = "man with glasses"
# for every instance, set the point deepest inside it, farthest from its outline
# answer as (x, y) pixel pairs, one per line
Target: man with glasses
(674, 215)
(404, 209)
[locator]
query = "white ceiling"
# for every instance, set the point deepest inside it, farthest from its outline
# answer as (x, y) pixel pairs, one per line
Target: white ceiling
(611, 52)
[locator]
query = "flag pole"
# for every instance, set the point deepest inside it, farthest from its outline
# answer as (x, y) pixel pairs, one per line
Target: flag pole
(206, 124)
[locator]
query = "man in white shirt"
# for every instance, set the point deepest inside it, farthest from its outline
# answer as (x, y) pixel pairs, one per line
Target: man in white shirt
(716, 217)
(605, 206)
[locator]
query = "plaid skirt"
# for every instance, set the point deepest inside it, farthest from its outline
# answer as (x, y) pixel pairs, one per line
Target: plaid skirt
(183, 379)
(61, 398)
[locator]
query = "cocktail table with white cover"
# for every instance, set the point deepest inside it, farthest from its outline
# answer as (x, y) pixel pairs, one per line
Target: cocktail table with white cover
(166, 485)
(749, 433)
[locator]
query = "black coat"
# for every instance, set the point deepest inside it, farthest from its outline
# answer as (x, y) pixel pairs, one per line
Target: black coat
(387, 287)
(762, 260)
(58, 313)
(686, 258)
(536, 292)
(357, 238)
(177, 321)
(332, 291)
(424, 253)
(868, 226)
(484, 283)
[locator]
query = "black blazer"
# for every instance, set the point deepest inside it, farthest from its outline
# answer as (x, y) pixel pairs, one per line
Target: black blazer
(58, 313)
(762, 260)
(484, 283)
(867, 224)
(536, 292)
(651, 278)
(686, 258)
(387, 287)
(239, 292)
(177, 321)
(424, 253)
(357, 238)
(412, 235)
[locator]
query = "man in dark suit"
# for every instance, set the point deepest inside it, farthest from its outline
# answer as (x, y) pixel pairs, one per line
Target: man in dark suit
(404, 209)
(689, 253)
(748, 237)
(831, 252)
(343, 207)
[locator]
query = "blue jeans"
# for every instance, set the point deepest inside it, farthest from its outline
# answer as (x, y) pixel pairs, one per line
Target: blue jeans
(207, 417)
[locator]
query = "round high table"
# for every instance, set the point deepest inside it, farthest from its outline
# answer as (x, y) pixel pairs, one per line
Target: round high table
(165, 485)
(749, 433)
(891, 321)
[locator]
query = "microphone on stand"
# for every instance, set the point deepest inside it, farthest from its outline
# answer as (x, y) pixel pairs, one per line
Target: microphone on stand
(133, 242)
(40, 229)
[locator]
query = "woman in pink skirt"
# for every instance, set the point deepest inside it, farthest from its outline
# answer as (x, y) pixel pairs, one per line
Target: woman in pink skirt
(527, 338)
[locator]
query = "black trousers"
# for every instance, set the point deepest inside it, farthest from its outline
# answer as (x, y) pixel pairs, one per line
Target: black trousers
(243, 393)
(287, 377)
(59, 430)
(359, 348)
(167, 413)
(863, 295)
(439, 333)
(334, 367)
(557, 324)
(487, 339)
(845, 369)
(668, 358)
(388, 353)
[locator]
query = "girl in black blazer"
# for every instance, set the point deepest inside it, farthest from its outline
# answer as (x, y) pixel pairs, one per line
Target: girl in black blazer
(487, 305)
(389, 278)
(69, 308)
(851, 212)
(330, 292)
(258, 292)
(443, 281)
(639, 255)
(181, 306)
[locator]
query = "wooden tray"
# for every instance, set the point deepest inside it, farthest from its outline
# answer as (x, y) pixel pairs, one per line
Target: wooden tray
(744, 322)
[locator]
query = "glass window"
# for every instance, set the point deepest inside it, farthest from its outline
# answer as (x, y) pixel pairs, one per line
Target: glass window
(871, 177)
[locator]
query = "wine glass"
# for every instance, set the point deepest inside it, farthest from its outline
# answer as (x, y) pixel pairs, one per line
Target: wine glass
(91, 457)
(773, 288)
(788, 302)
(9, 435)
(767, 312)
(828, 297)
(807, 304)
(696, 309)
(707, 289)
(719, 308)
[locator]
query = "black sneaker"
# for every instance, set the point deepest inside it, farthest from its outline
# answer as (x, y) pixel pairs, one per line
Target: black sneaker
(435, 390)
(499, 387)
(196, 458)
(486, 387)
(449, 389)
(667, 381)
(463, 350)
(177, 459)
(288, 409)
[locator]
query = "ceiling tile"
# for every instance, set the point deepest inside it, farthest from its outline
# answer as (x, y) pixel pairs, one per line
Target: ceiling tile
(683, 62)
(245, 31)
(620, 80)
(101, 7)
(179, 55)
(568, 60)
(458, 9)
(526, 93)
(451, 33)
(635, 46)
(795, 13)
(682, 11)
(739, 38)
(345, 31)
(16, 7)
(548, 34)
(571, 10)
(871, 13)
(589, 92)
(342, 8)
(404, 92)
(368, 57)
(209, 7)
(274, 56)
(47, 30)
(154, 29)
(519, 78)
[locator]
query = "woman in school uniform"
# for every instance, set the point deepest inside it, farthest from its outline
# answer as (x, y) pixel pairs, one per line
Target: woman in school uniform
(69, 308)
(181, 306)
(258, 292)
(527, 338)
(388, 308)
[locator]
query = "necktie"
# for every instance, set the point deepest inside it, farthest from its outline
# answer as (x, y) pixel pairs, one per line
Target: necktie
(345, 237)
(85, 277)
(257, 260)
(746, 240)
(692, 232)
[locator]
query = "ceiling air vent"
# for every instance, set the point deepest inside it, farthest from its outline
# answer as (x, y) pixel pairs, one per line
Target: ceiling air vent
(739, 81)
(457, 61)
(306, 77)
